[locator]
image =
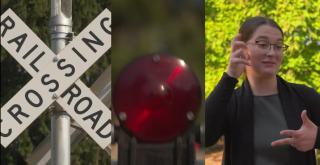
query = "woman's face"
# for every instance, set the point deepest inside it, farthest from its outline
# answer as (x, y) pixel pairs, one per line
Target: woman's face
(265, 49)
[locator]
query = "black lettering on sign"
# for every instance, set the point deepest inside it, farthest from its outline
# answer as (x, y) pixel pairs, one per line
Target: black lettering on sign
(5, 134)
(94, 118)
(63, 67)
(31, 101)
(99, 131)
(77, 93)
(104, 26)
(19, 41)
(88, 42)
(79, 54)
(84, 99)
(47, 82)
(35, 60)
(7, 23)
(30, 51)
(17, 112)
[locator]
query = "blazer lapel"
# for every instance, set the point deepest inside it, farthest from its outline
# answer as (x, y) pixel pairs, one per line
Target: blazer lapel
(289, 105)
(245, 124)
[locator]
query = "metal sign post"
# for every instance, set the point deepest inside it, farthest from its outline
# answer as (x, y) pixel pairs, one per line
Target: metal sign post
(102, 88)
(179, 151)
(60, 28)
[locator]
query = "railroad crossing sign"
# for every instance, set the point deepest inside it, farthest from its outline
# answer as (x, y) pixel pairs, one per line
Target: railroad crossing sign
(55, 78)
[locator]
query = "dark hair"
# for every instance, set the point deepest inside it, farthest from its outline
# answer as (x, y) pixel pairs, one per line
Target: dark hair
(250, 26)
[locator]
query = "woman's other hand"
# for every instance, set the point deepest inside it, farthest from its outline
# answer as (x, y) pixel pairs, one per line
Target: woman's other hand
(303, 139)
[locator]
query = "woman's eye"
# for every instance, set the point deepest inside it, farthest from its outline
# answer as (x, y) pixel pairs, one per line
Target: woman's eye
(279, 47)
(263, 45)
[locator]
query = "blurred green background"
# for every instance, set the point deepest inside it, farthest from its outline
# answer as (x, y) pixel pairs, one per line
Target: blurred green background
(299, 19)
(142, 27)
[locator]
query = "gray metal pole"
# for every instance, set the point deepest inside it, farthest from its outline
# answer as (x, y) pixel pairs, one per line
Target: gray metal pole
(60, 28)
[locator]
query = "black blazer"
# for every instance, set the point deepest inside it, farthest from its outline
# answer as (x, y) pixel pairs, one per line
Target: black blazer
(229, 112)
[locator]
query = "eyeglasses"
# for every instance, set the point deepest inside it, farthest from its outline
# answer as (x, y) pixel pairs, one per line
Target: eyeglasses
(266, 45)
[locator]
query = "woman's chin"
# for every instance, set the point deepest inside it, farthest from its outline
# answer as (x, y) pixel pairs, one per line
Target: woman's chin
(263, 71)
(269, 72)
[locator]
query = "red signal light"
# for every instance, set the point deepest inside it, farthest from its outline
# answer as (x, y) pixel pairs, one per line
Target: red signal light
(156, 97)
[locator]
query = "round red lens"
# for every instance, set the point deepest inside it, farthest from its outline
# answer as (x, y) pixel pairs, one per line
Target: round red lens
(156, 97)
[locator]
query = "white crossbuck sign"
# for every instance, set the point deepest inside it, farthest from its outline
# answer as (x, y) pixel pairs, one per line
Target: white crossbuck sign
(55, 78)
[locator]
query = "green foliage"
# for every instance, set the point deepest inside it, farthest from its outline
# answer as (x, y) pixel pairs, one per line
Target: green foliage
(299, 20)
(87, 152)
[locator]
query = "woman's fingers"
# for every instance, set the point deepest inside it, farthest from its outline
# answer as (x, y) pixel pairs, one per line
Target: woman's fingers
(280, 142)
(239, 57)
(290, 133)
(238, 53)
(238, 45)
(237, 37)
(305, 119)
(239, 61)
(286, 141)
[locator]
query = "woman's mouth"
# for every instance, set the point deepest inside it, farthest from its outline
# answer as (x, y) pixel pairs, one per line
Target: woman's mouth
(269, 63)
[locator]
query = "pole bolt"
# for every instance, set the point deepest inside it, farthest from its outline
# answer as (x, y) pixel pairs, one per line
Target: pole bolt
(122, 116)
(156, 58)
(55, 59)
(51, 107)
(190, 115)
(54, 96)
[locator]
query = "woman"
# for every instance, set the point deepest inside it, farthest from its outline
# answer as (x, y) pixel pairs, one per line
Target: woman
(267, 121)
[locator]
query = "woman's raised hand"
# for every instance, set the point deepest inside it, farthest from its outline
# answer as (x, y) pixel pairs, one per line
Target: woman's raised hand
(238, 58)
